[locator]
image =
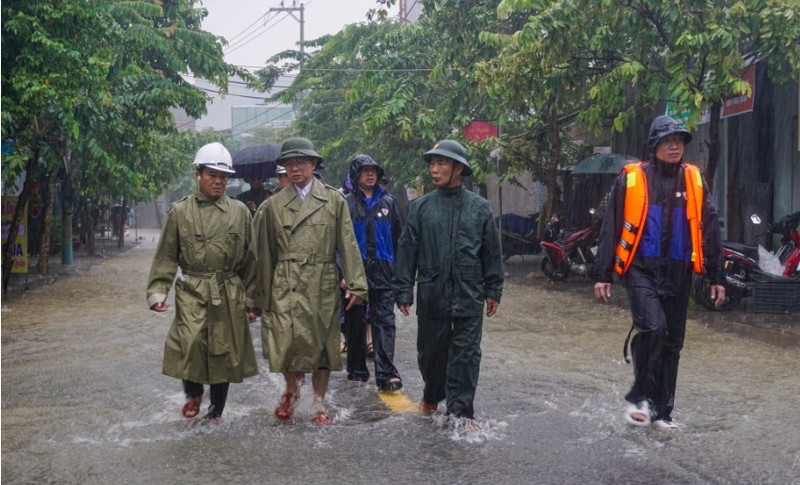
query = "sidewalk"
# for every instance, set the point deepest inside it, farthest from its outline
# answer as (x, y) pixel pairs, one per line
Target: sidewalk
(104, 249)
(772, 328)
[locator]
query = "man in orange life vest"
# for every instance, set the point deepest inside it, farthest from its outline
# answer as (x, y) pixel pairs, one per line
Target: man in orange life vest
(660, 226)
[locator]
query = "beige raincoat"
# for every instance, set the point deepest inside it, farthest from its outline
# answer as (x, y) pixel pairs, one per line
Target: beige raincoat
(209, 341)
(295, 242)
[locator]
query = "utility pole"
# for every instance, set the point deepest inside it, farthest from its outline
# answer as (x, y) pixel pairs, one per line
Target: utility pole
(291, 10)
(403, 13)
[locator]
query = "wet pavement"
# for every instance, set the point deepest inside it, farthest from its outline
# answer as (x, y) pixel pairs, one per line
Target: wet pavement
(83, 399)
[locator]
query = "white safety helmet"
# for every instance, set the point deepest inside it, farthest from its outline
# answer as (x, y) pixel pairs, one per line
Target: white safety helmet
(216, 156)
(280, 170)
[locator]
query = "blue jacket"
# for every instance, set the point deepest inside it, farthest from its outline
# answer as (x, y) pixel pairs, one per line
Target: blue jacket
(377, 224)
(665, 248)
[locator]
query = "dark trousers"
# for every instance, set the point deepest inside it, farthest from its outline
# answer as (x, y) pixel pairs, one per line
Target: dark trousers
(660, 323)
(449, 358)
(381, 317)
(218, 394)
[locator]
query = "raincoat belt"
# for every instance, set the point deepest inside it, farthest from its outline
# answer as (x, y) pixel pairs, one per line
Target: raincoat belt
(218, 277)
(304, 258)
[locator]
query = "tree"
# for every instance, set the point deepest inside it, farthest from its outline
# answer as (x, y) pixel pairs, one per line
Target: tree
(391, 89)
(610, 59)
(87, 89)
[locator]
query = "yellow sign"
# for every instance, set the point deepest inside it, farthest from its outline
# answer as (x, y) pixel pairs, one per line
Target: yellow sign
(19, 259)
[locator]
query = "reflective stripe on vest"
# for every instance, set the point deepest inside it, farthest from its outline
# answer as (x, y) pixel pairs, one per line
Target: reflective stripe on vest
(635, 213)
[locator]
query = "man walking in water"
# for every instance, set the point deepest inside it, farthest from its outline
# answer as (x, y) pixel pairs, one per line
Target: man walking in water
(660, 226)
(296, 235)
(377, 223)
(450, 245)
(206, 235)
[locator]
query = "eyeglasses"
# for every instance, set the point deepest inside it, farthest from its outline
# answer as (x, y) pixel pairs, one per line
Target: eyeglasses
(296, 162)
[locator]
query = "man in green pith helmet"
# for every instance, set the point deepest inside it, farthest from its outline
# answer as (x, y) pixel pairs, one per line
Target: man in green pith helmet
(296, 235)
(450, 244)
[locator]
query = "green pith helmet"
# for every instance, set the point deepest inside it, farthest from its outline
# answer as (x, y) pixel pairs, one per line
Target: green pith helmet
(452, 150)
(297, 147)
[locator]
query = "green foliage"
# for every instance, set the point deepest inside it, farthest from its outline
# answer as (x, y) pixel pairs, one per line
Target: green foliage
(392, 89)
(93, 84)
(610, 58)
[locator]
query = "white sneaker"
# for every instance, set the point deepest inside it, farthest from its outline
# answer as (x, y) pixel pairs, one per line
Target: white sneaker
(665, 425)
(638, 414)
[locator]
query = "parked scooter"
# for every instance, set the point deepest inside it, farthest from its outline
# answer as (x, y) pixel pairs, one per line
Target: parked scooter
(742, 268)
(518, 234)
(572, 253)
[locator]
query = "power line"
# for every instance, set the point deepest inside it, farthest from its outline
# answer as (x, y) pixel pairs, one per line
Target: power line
(254, 35)
(232, 39)
(255, 117)
(213, 91)
(353, 69)
(232, 42)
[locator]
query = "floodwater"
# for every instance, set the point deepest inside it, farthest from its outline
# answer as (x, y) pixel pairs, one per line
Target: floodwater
(84, 401)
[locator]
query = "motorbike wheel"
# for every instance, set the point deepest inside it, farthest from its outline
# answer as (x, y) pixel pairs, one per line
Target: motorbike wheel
(702, 291)
(551, 271)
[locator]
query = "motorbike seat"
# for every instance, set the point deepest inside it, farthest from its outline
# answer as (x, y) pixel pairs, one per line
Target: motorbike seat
(746, 249)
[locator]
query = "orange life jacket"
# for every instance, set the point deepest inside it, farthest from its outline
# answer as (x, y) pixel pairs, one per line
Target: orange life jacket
(635, 213)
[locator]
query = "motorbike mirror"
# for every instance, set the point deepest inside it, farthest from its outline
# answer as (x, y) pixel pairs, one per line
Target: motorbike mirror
(755, 219)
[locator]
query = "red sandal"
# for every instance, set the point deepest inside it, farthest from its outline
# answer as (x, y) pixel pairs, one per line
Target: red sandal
(427, 408)
(285, 409)
(191, 407)
(321, 418)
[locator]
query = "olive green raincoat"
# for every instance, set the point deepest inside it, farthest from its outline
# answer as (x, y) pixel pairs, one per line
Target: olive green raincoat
(295, 242)
(209, 341)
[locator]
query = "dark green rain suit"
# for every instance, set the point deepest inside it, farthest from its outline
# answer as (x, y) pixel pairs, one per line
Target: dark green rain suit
(450, 243)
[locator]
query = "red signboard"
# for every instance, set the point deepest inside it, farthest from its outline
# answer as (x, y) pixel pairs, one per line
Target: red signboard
(480, 130)
(736, 105)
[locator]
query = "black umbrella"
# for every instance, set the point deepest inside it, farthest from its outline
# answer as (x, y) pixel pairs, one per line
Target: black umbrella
(257, 161)
(603, 163)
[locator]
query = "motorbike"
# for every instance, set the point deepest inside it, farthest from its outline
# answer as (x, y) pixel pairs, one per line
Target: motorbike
(518, 234)
(568, 253)
(742, 269)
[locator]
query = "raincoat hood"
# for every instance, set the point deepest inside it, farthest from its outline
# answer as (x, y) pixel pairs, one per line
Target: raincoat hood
(358, 164)
(663, 126)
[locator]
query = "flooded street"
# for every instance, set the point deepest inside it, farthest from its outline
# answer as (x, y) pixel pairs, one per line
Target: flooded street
(84, 400)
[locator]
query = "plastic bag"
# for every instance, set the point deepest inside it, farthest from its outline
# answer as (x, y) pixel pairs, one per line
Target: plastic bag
(768, 262)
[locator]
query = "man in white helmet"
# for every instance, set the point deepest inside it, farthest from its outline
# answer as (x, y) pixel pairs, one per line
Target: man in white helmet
(282, 176)
(206, 235)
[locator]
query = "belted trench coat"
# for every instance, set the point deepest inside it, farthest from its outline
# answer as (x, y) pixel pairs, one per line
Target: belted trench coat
(209, 341)
(295, 242)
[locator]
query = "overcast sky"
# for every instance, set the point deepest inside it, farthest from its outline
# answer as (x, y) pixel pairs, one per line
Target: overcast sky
(254, 33)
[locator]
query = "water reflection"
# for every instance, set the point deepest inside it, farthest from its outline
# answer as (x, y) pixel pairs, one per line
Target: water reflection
(84, 402)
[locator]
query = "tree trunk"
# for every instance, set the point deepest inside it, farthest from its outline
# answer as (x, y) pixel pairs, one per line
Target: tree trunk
(553, 157)
(67, 212)
(47, 224)
(713, 147)
(13, 229)
(123, 219)
(66, 234)
(90, 222)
